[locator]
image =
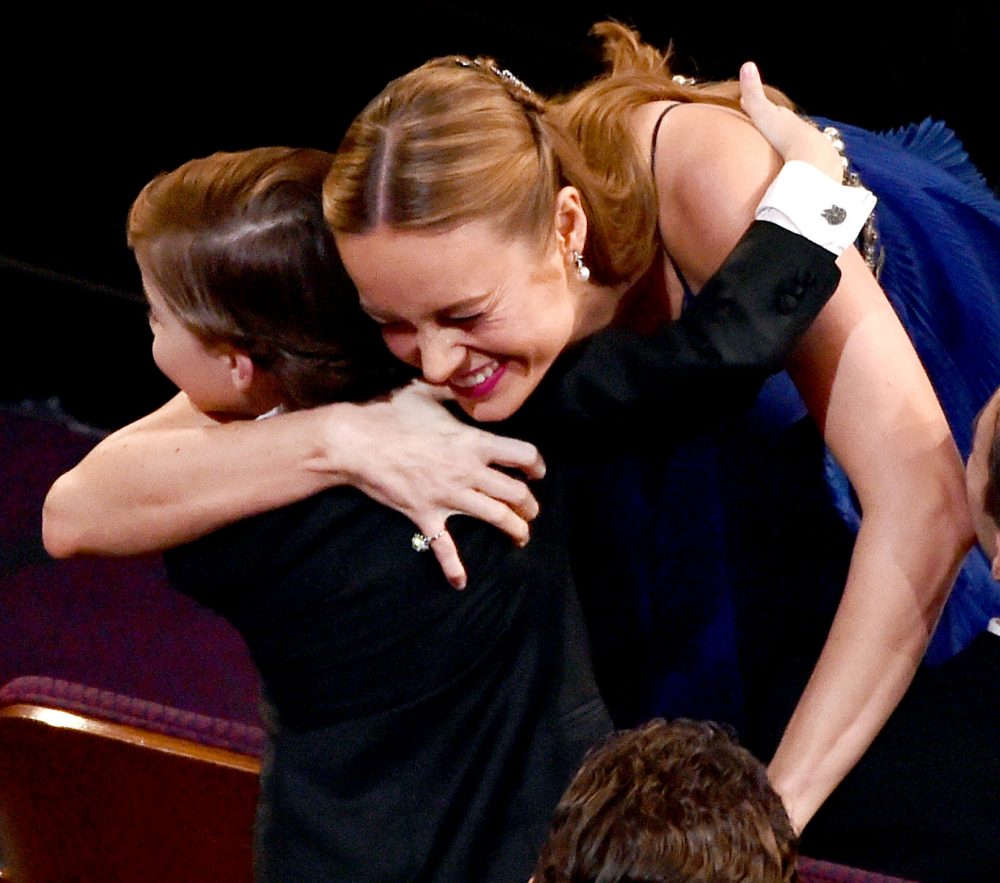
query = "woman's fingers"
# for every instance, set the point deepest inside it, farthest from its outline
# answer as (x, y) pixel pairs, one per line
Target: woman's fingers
(446, 552)
(511, 492)
(429, 465)
(483, 507)
(500, 515)
(516, 454)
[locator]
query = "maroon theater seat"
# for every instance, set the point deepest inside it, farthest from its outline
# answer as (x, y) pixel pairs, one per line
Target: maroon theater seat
(813, 871)
(95, 786)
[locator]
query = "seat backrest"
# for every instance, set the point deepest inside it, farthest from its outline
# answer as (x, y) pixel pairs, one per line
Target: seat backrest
(98, 786)
(815, 871)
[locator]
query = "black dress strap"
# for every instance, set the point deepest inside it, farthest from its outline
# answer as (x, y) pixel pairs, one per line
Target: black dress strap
(688, 292)
(656, 134)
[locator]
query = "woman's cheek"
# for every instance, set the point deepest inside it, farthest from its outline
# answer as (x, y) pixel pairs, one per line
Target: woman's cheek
(402, 343)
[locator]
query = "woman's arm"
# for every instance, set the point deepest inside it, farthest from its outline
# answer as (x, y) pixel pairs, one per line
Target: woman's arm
(176, 474)
(886, 429)
(864, 385)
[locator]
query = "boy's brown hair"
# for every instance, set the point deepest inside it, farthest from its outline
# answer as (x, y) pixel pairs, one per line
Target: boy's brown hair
(667, 802)
(238, 247)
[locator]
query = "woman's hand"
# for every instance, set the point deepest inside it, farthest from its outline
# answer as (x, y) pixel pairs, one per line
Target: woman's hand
(411, 454)
(790, 135)
(176, 475)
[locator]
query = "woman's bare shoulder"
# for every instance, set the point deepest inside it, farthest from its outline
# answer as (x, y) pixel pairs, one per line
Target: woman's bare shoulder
(712, 168)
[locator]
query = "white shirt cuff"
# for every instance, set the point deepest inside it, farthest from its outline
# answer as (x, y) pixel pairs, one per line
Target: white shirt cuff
(808, 202)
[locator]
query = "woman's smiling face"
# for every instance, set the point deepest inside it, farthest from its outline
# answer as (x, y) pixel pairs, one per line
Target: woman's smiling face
(483, 315)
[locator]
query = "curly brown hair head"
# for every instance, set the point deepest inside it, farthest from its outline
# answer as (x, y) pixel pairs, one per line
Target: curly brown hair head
(666, 802)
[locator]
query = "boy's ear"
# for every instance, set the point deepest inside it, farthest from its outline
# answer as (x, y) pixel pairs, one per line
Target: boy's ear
(241, 370)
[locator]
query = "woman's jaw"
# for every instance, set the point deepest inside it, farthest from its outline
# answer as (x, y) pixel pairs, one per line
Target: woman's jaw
(482, 314)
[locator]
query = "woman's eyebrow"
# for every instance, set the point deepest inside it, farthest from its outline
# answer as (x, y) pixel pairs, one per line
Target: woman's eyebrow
(472, 303)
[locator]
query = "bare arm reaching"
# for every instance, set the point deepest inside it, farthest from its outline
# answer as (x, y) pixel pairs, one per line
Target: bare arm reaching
(176, 474)
(865, 387)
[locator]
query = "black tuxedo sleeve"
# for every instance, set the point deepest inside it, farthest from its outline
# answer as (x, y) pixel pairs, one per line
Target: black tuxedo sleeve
(736, 333)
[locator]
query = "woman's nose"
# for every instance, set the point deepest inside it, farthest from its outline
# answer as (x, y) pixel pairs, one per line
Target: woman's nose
(441, 354)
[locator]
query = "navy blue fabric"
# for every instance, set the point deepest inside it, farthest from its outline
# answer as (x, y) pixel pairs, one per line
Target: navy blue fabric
(729, 552)
(940, 226)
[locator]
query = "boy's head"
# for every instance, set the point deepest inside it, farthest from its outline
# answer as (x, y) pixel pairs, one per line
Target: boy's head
(669, 802)
(982, 481)
(246, 287)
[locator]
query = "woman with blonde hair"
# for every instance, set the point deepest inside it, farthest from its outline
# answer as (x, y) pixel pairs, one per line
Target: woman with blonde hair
(414, 731)
(484, 293)
(486, 228)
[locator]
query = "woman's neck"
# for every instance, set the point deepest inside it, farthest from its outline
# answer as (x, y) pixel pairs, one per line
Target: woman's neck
(598, 308)
(643, 305)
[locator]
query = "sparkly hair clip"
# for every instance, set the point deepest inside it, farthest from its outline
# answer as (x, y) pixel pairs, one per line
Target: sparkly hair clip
(487, 64)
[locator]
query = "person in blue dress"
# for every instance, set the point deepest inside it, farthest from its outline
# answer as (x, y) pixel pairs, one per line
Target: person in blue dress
(413, 731)
(625, 198)
(767, 535)
(938, 256)
(652, 178)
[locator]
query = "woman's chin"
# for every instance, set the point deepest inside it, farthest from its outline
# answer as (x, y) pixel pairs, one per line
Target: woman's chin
(486, 410)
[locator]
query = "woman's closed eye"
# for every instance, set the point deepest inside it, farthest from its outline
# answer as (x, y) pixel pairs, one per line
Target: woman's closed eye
(467, 319)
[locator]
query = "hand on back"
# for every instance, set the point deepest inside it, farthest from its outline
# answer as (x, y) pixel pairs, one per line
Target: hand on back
(788, 133)
(424, 462)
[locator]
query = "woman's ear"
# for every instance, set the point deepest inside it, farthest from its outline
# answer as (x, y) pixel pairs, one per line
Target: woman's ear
(570, 221)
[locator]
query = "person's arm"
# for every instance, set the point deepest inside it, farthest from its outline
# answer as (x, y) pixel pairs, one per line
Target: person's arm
(717, 354)
(865, 387)
(176, 474)
(752, 311)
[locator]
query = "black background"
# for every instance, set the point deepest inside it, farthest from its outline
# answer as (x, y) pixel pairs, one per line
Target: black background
(93, 109)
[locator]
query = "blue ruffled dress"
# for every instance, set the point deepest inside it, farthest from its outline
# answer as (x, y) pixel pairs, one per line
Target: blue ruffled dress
(940, 229)
(711, 572)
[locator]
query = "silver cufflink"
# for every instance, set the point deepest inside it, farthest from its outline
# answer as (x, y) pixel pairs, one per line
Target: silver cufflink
(834, 215)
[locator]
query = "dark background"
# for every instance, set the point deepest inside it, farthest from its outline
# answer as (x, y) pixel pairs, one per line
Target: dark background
(90, 117)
